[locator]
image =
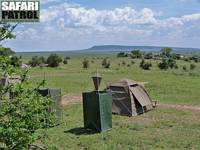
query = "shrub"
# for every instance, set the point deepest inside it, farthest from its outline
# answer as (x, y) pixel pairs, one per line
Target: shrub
(86, 63)
(34, 61)
(142, 63)
(65, 61)
(123, 63)
(148, 56)
(6, 51)
(195, 58)
(24, 113)
(132, 62)
(171, 63)
(122, 54)
(184, 68)
(163, 65)
(166, 52)
(16, 61)
(136, 54)
(145, 65)
(192, 66)
(37, 61)
(54, 60)
(106, 63)
(176, 66)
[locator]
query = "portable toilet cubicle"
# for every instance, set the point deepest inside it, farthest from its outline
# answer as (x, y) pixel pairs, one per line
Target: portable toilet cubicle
(97, 108)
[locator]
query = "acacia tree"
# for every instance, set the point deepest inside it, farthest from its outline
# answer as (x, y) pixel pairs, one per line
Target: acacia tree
(22, 110)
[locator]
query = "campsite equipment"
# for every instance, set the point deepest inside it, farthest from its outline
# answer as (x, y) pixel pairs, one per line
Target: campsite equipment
(97, 81)
(129, 98)
(54, 94)
(97, 108)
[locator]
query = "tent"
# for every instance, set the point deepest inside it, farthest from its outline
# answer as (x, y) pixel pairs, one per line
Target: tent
(129, 98)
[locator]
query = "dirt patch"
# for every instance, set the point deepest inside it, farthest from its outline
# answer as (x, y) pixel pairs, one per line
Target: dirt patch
(71, 98)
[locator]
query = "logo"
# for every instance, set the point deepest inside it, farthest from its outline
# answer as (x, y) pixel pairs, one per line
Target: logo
(19, 10)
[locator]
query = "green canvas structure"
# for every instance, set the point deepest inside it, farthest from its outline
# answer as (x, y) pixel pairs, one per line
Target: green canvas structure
(97, 110)
(129, 98)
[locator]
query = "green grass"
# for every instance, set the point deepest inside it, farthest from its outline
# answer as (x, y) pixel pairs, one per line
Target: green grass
(162, 128)
(171, 86)
(158, 129)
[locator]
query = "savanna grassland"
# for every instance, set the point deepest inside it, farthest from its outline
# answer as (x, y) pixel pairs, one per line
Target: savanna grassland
(162, 128)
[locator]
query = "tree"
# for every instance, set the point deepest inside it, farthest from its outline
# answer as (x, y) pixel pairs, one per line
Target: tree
(168, 59)
(86, 63)
(15, 61)
(37, 61)
(6, 51)
(24, 111)
(6, 31)
(166, 52)
(136, 54)
(54, 60)
(22, 114)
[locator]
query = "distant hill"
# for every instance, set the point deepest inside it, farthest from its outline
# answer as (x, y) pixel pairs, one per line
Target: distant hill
(119, 48)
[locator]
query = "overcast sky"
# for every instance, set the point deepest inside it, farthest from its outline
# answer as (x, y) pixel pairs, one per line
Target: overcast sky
(79, 24)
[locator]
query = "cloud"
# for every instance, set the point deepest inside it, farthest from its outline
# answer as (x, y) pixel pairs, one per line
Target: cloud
(71, 26)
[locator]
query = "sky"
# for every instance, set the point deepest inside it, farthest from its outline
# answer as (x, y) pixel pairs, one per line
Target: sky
(80, 24)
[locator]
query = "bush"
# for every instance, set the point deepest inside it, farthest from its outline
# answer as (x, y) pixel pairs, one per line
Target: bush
(192, 66)
(184, 68)
(171, 63)
(54, 60)
(16, 61)
(163, 65)
(176, 66)
(142, 63)
(123, 63)
(166, 52)
(148, 56)
(145, 65)
(37, 61)
(86, 63)
(106, 63)
(136, 54)
(6, 51)
(122, 54)
(132, 62)
(65, 61)
(24, 113)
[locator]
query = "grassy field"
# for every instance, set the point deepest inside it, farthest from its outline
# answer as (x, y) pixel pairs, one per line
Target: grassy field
(172, 86)
(159, 129)
(162, 128)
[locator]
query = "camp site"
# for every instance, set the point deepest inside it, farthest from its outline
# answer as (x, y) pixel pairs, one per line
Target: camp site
(101, 75)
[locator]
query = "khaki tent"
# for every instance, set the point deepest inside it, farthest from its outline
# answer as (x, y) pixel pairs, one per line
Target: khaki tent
(129, 98)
